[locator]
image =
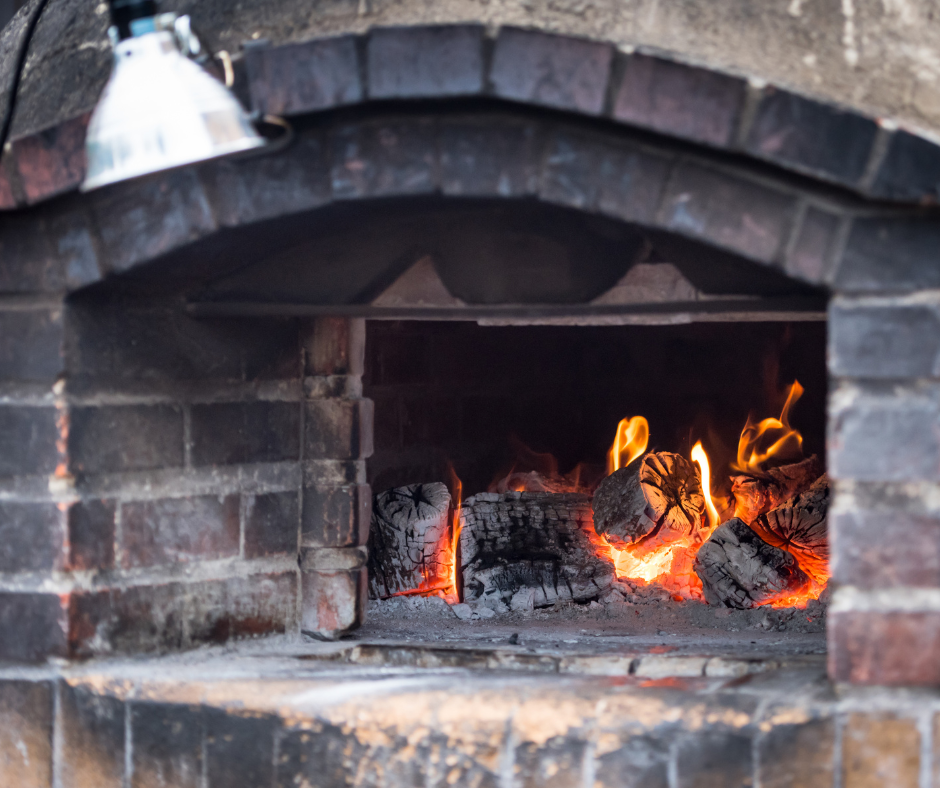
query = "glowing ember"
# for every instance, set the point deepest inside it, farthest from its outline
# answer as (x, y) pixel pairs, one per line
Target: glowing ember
(698, 456)
(772, 441)
(630, 442)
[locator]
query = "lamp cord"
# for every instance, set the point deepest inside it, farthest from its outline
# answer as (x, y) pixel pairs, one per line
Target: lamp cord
(18, 72)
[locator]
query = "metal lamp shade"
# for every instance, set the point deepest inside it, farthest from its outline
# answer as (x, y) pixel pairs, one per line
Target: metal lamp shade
(160, 110)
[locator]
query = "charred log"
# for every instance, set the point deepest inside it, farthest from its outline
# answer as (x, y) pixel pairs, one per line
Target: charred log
(531, 541)
(756, 495)
(654, 500)
(739, 569)
(409, 541)
(798, 526)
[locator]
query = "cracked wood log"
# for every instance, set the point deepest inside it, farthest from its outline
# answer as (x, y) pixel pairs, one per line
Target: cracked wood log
(409, 541)
(655, 500)
(531, 542)
(798, 526)
(756, 495)
(739, 569)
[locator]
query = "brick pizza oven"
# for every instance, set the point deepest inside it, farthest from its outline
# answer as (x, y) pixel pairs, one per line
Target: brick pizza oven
(185, 438)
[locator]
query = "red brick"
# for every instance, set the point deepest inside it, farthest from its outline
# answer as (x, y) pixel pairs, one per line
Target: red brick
(334, 603)
(52, 161)
(334, 346)
(893, 648)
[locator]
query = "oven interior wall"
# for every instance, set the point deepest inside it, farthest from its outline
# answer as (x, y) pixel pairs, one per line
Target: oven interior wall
(466, 394)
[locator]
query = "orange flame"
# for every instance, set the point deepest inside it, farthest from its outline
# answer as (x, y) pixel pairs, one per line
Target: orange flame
(630, 442)
(771, 440)
(453, 561)
(698, 455)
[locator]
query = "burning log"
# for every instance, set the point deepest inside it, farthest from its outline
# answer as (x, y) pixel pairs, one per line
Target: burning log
(409, 541)
(739, 569)
(799, 527)
(654, 500)
(531, 541)
(755, 495)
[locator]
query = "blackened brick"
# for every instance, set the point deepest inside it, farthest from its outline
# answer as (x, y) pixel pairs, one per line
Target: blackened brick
(714, 760)
(421, 62)
(551, 70)
(892, 647)
(92, 730)
(674, 98)
(32, 627)
(336, 516)
(266, 187)
(271, 524)
(728, 212)
(619, 180)
(338, 429)
(32, 537)
(863, 556)
(304, 77)
(239, 432)
(323, 755)
(125, 438)
(26, 733)
(170, 530)
(52, 161)
(334, 603)
(488, 157)
(811, 136)
(801, 754)
(638, 762)
(810, 258)
(176, 616)
(239, 750)
(889, 254)
(884, 341)
(141, 220)
(884, 437)
(7, 198)
(168, 743)
(556, 763)
(31, 344)
(28, 440)
(91, 534)
(384, 159)
(334, 346)
(910, 169)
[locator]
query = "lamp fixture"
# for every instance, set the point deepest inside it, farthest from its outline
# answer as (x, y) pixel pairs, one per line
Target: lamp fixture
(160, 109)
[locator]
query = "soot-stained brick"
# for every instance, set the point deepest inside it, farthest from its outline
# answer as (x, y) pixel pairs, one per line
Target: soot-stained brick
(230, 433)
(239, 750)
(170, 530)
(674, 98)
(910, 169)
(801, 754)
(336, 516)
(32, 626)
(338, 429)
(714, 760)
(884, 254)
(638, 762)
(422, 62)
(125, 438)
(91, 534)
(551, 70)
(168, 744)
(31, 344)
(28, 438)
(304, 77)
(26, 712)
(32, 536)
(271, 524)
(811, 136)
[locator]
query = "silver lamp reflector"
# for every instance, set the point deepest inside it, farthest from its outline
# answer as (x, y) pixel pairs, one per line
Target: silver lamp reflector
(161, 110)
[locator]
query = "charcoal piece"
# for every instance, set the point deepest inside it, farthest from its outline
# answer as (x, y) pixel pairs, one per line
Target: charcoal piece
(409, 541)
(798, 526)
(755, 495)
(531, 541)
(654, 500)
(739, 569)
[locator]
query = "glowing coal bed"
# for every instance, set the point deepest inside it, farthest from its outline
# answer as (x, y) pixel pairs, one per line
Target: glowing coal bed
(681, 524)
